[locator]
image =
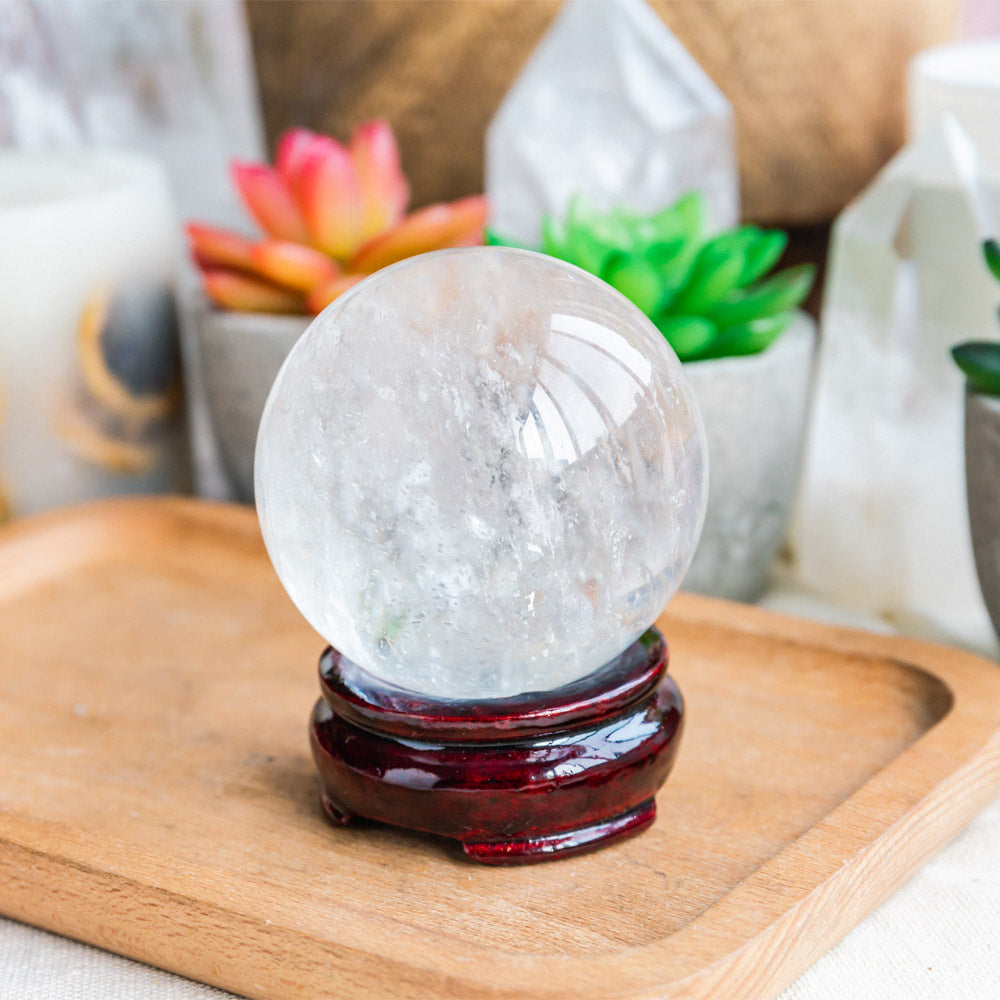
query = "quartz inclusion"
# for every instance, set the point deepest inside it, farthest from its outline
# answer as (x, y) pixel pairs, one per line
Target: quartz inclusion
(481, 472)
(612, 106)
(882, 521)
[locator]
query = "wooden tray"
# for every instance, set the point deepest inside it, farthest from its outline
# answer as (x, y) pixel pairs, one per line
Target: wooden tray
(157, 797)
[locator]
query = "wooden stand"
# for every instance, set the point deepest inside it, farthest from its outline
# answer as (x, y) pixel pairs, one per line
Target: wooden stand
(515, 780)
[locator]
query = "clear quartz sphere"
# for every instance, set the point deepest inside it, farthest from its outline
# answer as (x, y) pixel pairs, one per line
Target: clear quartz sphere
(481, 472)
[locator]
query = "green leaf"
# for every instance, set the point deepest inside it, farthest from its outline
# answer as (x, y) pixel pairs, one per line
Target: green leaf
(642, 233)
(764, 254)
(625, 228)
(735, 241)
(674, 263)
(554, 239)
(777, 294)
(674, 258)
(991, 252)
(637, 279)
(592, 238)
(666, 266)
(492, 238)
(682, 222)
(581, 211)
(980, 361)
(685, 219)
(714, 275)
(746, 338)
(586, 251)
(611, 228)
(687, 335)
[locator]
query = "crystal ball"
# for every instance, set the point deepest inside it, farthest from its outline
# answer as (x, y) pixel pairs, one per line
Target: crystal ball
(480, 473)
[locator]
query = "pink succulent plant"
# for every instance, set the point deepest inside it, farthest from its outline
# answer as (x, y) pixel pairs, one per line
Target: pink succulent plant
(332, 214)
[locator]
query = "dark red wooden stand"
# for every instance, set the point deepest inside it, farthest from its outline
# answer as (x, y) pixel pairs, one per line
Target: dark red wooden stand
(514, 779)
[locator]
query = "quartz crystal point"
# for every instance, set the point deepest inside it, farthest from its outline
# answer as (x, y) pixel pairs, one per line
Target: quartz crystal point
(34, 107)
(174, 81)
(882, 523)
(612, 106)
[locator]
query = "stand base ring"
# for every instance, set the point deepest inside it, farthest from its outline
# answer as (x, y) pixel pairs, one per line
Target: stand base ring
(521, 792)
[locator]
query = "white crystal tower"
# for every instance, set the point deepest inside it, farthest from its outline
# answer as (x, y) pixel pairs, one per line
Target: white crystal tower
(610, 105)
(882, 521)
(481, 472)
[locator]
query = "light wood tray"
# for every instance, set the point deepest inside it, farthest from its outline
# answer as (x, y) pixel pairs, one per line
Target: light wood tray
(157, 797)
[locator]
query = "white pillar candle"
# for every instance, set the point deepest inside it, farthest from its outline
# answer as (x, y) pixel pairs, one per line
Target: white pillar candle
(90, 393)
(964, 80)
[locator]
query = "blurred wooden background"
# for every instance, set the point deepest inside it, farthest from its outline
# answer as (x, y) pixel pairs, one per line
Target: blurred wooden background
(817, 85)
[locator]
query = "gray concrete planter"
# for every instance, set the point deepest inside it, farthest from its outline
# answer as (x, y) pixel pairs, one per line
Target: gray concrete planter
(239, 355)
(982, 476)
(755, 419)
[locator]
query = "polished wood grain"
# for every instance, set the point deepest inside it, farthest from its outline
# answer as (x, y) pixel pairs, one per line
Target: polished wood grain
(157, 797)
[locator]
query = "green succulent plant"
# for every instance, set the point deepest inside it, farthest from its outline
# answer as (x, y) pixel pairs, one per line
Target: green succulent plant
(710, 296)
(980, 359)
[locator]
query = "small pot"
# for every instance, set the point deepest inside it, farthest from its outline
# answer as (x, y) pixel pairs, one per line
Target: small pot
(239, 356)
(754, 410)
(982, 476)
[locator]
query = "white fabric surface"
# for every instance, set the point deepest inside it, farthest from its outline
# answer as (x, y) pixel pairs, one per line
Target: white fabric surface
(937, 938)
